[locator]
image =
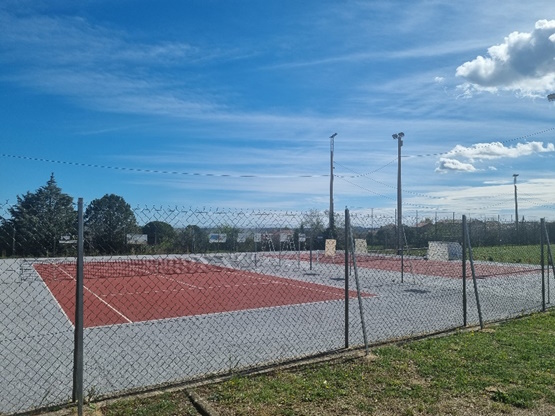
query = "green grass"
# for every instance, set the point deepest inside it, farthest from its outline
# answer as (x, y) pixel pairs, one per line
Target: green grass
(166, 404)
(496, 371)
(510, 366)
(510, 254)
(527, 254)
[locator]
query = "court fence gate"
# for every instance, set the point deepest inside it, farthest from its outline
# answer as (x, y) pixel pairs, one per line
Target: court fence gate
(118, 302)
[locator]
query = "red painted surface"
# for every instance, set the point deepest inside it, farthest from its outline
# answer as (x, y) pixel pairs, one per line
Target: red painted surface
(452, 269)
(149, 290)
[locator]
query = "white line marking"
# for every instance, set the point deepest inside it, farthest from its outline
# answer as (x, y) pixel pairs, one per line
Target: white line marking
(101, 300)
(53, 297)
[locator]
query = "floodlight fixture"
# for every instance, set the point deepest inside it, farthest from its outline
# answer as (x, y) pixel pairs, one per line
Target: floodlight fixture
(551, 97)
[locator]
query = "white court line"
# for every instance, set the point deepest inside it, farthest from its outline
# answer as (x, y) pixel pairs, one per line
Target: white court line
(164, 276)
(101, 300)
(53, 297)
(295, 283)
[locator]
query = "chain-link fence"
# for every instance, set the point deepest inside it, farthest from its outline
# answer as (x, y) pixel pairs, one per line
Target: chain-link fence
(172, 295)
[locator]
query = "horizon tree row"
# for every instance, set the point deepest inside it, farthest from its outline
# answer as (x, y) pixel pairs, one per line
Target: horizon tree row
(44, 222)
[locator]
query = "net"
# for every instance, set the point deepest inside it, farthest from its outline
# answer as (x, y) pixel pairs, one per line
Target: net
(53, 270)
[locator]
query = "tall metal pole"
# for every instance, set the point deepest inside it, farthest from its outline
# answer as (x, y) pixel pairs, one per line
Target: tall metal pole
(79, 315)
(542, 261)
(516, 207)
(399, 138)
(331, 221)
(347, 228)
(464, 299)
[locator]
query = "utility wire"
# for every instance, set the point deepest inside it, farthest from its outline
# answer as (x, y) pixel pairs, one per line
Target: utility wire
(140, 170)
(394, 187)
(358, 175)
(482, 145)
(224, 175)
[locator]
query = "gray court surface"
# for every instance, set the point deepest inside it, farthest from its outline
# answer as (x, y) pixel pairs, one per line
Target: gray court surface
(36, 337)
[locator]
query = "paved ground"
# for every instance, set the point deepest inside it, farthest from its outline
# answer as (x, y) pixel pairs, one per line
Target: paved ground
(36, 337)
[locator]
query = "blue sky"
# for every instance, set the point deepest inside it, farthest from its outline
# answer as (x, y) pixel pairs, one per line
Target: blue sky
(231, 103)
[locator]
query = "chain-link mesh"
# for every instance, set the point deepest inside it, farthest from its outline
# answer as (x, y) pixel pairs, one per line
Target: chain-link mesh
(175, 294)
(507, 269)
(417, 284)
(36, 335)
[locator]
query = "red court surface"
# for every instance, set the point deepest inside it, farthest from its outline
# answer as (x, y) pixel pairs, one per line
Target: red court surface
(451, 269)
(145, 290)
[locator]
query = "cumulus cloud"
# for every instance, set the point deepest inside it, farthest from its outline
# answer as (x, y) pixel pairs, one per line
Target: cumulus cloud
(453, 165)
(524, 63)
(497, 150)
(464, 159)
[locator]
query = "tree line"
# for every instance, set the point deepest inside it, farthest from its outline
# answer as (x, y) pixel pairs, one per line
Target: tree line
(44, 224)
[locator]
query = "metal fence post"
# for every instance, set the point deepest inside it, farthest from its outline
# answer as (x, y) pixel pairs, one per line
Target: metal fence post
(360, 308)
(464, 301)
(549, 260)
(78, 338)
(467, 236)
(347, 226)
(542, 244)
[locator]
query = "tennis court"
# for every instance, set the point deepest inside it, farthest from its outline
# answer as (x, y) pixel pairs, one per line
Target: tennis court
(138, 290)
(424, 267)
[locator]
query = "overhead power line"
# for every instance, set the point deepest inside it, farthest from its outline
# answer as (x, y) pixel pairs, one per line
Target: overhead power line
(483, 145)
(157, 171)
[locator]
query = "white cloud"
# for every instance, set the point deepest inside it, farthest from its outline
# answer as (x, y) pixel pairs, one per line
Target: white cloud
(497, 150)
(463, 159)
(494, 197)
(523, 63)
(454, 165)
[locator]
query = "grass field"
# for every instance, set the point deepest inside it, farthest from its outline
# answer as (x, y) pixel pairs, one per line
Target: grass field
(504, 369)
(527, 254)
(530, 254)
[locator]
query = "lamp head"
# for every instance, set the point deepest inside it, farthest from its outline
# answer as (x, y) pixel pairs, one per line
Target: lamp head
(333, 136)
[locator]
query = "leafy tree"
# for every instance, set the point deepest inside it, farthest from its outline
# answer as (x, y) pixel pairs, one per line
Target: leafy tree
(5, 237)
(313, 224)
(386, 236)
(159, 232)
(108, 220)
(39, 220)
(231, 240)
(193, 239)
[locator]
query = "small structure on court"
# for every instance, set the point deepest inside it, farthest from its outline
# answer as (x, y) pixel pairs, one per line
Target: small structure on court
(444, 250)
(360, 246)
(330, 248)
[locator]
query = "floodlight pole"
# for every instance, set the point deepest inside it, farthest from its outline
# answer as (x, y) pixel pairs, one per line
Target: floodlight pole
(516, 206)
(399, 138)
(331, 221)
